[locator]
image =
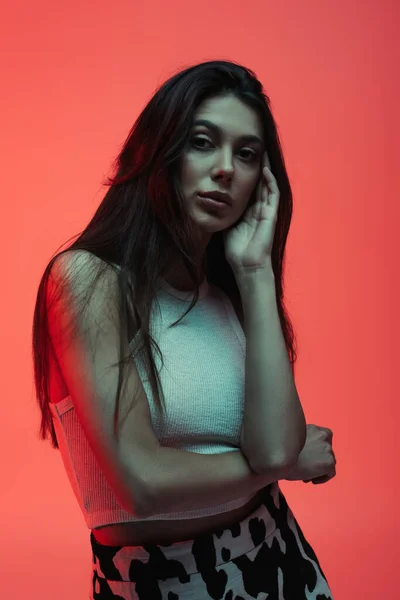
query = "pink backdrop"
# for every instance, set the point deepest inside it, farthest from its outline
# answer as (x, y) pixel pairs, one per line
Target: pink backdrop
(75, 75)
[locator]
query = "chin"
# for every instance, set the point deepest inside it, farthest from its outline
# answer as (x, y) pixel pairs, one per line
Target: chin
(210, 228)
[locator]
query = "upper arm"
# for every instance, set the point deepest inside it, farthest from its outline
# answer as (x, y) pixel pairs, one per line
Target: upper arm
(86, 344)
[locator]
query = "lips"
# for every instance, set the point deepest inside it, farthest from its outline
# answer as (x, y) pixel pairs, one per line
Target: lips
(219, 196)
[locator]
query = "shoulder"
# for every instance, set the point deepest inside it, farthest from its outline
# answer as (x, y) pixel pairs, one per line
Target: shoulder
(72, 262)
(80, 269)
(81, 284)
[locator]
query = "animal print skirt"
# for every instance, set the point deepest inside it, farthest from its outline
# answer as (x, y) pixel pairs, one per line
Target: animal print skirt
(265, 556)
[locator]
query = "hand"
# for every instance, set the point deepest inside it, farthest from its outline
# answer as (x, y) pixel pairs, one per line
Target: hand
(316, 461)
(248, 243)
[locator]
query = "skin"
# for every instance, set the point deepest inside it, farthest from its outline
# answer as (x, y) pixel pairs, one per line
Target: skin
(224, 163)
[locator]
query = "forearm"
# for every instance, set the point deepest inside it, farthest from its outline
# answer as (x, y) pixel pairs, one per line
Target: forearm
(181, 480)
(274, 426)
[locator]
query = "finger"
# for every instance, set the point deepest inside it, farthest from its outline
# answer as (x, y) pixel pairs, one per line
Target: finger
(264, 193)
(273, 190)
(320, 480)
(268, 174)
(266, 160)
(324, 478)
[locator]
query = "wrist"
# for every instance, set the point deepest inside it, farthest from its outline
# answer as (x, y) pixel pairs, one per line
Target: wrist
(249, 281)
(253, 271)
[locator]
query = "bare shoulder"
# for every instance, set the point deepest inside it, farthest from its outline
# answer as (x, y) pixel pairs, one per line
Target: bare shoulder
(71, 277)
(86, 338)
(77, 266)
(79, 275)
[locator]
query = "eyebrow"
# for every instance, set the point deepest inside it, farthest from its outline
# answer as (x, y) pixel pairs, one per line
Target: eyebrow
(214, 127)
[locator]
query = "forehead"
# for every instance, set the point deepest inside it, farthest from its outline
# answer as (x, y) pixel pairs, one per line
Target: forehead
(230, 115)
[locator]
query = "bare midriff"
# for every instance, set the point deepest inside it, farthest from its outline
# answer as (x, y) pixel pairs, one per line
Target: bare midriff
(170, 532)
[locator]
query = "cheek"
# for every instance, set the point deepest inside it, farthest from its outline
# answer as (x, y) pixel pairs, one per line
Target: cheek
(189, 170)
(250, 182)
(251, 193)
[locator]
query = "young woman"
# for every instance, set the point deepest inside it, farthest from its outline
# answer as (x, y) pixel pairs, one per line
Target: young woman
(175, 455)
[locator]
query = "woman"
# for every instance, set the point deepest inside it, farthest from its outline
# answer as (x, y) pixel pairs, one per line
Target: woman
(182, 500)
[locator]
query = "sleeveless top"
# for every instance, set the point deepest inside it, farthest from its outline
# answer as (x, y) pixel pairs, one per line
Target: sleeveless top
(203, 380)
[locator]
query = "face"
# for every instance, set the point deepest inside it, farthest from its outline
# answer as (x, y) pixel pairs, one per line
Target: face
(221, 159)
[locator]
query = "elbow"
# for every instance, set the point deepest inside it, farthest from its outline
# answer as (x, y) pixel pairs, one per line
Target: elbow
(288, 458)
(284, 466)
(266, 462)
(288, 461)
(146, 505)
(136, 506)
(280, 465)
(139, 507)
(137, 502)
(143, 506)
(278, 469)
(134, 499)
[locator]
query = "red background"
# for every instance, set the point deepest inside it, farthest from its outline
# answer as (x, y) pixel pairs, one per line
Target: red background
(75, 75)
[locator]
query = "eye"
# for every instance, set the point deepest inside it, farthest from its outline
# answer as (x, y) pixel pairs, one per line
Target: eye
(252, 155)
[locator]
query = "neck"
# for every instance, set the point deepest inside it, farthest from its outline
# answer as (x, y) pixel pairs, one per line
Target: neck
(177, 276)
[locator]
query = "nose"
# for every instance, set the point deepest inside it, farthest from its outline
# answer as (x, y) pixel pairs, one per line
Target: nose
(224, 174)
(224, 167)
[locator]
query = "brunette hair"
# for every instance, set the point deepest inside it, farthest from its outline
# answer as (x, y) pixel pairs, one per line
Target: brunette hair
(143, 213)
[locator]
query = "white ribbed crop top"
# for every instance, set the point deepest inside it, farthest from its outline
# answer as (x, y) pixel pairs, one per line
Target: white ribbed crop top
(203, 382)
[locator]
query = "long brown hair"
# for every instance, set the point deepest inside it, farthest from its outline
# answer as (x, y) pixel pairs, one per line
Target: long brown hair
(143, 213)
